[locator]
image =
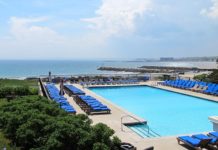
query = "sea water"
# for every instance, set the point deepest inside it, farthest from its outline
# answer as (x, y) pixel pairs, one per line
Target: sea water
(29, 68)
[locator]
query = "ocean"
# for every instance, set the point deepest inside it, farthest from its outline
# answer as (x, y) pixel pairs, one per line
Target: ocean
(34, 68)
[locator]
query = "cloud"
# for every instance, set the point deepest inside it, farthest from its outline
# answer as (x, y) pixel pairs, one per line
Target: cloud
(117, 28)
(212, 12)
(32, 38)
(117, 16)
(24, 29)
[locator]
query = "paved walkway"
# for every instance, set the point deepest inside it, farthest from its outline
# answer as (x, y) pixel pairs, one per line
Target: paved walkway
(40, 90)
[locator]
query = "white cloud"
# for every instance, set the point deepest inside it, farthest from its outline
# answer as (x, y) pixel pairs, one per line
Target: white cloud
(117, 16)
(25, 30)
(31, 39)
(31, 35)
(212, 12)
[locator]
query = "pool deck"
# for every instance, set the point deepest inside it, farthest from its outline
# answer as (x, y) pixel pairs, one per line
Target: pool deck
(113, 120)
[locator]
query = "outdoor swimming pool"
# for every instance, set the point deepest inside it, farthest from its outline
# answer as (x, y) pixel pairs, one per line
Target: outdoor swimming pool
(167, 113)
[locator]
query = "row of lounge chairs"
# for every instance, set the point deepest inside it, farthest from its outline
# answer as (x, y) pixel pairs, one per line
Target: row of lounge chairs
(197, 86)
(110, 82)
(91, 105)
(62, 101)
(88, 104)
(199, 141)
(72, 90)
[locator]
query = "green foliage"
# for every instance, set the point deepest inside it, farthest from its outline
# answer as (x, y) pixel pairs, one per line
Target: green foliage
(4, 142)
(2, 102)
(202, 77)
(12, 87)
(213, 77)
(100, 146)
(33, 122)
(102, 133)
(17, 91)
(18, 83)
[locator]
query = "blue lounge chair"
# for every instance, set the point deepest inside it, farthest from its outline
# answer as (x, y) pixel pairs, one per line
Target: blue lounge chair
(210, 89)
(193, 142)
(73, 90)
(213, 140)
(91, 105)
(215, 90)
(213, 134)
(62, 101)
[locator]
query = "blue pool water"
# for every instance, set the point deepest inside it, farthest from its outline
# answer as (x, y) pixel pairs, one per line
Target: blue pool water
(167, 113)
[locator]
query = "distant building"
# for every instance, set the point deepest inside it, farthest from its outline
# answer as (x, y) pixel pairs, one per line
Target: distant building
(166, 59)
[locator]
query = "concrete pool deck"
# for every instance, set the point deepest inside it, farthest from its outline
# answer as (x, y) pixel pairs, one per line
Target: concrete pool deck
(113, 120)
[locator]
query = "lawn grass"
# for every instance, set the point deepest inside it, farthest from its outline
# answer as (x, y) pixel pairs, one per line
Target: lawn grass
(18, 83)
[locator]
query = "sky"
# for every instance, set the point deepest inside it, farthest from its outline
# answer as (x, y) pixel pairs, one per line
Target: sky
(109, 29)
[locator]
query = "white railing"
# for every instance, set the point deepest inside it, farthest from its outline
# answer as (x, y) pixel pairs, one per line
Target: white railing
(147, 130)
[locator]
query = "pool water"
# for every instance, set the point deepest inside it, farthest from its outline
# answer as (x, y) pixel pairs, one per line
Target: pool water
(168, 113)
(142, 130)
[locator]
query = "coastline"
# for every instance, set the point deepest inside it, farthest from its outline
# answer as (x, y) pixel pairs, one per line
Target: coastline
(23, 69)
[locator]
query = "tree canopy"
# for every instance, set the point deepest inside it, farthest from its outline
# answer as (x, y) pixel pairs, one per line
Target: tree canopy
(33, 122)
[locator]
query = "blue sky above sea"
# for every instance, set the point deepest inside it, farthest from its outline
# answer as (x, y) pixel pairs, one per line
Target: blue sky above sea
(87, 29)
